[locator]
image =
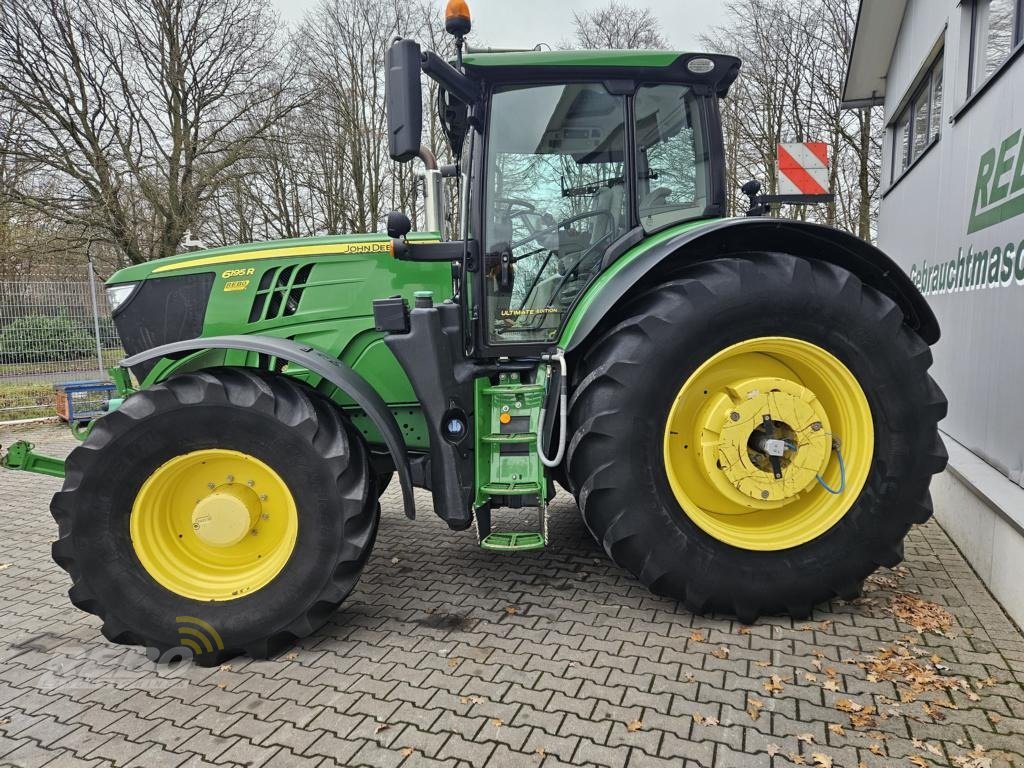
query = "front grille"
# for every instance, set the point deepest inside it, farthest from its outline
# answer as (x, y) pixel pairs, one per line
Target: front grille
(163, 310)
(279, 292)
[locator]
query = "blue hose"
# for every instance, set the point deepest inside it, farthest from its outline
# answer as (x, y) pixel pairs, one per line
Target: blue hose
(842, 476)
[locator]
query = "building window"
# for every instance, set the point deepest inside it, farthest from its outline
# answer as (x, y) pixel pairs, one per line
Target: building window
(919, 123)
(997, 29)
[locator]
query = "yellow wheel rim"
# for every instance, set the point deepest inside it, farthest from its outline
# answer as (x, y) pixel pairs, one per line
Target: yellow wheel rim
(716, 445)
(214, 524)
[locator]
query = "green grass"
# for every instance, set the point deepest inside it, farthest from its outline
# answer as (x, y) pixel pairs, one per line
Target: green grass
(27, 400)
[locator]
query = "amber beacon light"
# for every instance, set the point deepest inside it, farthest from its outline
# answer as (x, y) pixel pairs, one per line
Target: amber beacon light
(456, 18)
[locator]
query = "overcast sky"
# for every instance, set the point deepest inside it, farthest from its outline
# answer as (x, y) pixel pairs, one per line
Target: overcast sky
(524, 23)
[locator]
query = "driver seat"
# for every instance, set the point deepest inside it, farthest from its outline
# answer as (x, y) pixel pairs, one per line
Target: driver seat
(608, 199)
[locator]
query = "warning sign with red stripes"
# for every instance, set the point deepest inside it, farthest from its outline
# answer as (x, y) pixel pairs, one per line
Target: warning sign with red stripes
(803, 168)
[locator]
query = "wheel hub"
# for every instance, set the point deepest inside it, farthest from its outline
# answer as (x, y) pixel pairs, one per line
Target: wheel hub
(214, 524)
(226, 516)
(773, 439)
(749, 436)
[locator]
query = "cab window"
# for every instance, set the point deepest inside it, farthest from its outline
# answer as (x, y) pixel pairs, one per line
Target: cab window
(555, 200)
(672, 162)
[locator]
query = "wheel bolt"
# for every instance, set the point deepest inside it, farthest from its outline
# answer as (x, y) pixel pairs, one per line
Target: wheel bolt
(250, 483)
(231, 478)
(264, 516)
(263, 497)
(211, 486)
(816, 426)
(764, 494)
(735, 416)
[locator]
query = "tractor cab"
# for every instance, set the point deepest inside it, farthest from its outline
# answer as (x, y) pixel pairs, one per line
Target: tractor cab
(568, 159)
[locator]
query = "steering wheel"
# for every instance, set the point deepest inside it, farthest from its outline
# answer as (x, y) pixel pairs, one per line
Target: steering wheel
(514, 201)
(592, 248)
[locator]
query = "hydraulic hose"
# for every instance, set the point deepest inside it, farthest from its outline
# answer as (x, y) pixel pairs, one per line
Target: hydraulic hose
(563, 408)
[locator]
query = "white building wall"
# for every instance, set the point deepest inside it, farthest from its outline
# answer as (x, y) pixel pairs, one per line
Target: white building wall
(979, 362)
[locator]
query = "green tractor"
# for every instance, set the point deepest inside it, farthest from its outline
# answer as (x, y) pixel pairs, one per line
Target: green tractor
(740, 406)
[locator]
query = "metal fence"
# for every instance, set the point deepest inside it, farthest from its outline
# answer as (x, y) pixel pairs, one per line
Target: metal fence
(52, 332)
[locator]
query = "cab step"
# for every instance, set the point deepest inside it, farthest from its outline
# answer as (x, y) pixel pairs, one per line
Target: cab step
(511, 541)
(514, 541)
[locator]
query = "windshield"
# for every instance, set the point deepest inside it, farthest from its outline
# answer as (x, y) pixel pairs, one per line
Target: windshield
(555, 200)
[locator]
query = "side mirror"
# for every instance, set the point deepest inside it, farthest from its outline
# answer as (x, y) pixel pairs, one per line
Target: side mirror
(404, 99)
(398, 225)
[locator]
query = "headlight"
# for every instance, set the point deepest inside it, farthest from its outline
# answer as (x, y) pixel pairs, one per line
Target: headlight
(118, 294)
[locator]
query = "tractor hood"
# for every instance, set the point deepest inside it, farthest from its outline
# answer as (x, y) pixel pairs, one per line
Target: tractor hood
(209, 259)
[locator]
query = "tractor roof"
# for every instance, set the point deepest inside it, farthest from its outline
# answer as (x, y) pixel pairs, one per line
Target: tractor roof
(658, 66)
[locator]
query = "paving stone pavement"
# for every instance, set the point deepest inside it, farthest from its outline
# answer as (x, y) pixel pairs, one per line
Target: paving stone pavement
(446, 655)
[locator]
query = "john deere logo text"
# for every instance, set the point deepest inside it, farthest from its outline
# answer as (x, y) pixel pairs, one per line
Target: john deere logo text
(999, 190)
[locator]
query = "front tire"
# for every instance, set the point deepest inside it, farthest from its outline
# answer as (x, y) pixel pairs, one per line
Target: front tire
(224, 511)
(665, 452)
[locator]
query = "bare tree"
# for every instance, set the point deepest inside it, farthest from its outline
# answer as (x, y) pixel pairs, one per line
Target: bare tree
(618, 25)
(138, 109)
(794, 56)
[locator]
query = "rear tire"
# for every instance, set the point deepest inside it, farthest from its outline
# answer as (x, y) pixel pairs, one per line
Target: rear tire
(269, 420)
(626, 385)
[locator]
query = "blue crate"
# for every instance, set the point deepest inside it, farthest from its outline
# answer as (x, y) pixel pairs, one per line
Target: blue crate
(78, 401)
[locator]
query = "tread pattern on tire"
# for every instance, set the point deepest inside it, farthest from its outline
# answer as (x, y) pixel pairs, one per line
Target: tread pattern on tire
(606, 376)
(304, 412)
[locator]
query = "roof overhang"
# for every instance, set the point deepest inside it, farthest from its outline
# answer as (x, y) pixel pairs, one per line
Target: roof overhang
(874, 41)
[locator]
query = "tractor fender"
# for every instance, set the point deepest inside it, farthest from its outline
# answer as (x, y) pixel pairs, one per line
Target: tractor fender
(724, 237)
(336, 372)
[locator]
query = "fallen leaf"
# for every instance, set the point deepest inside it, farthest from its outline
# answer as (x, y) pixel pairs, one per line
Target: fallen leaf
(381, 727)
(876, 749)
(540, 751)
(497, 723)
(511, 610)
(453, 663)
(226, 668)
(845, 705)
(697, 636)
(222, 686)
(773, 686)
(933, 749)
(634, 726)
(702, 720)
(826, 624)
(831, 685)
(822, 760)
(922, 615)
(395, 561)
(406, 751)
(773, 749)
(763, 664)
(754, 707)
(995, 717)
(470, 699)
(292, 656)
(862, 720)
(721, 652)
(816, 664)
(5, 721)
(809, 678)
(806, 738)
(5, 566)
(744, 630)
(919, 761)
(795, 759)
(837, 729)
